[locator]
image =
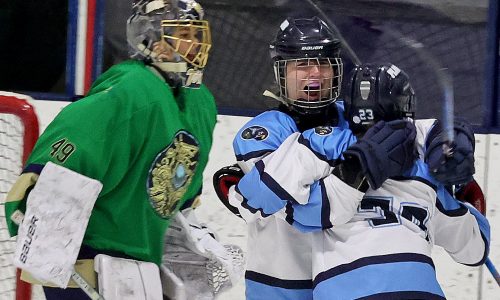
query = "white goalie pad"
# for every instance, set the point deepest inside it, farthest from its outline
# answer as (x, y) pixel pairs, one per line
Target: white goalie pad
(173, 287)
(127, 279)
(204, 266)
(57, 214)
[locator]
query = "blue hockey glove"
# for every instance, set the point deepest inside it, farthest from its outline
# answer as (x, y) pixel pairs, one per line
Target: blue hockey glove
(386, 150)
(458, 167)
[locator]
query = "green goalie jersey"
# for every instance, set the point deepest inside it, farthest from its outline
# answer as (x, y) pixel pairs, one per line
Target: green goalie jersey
(147, 146)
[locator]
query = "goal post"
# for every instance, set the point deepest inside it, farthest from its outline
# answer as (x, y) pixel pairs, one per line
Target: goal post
(19, 131)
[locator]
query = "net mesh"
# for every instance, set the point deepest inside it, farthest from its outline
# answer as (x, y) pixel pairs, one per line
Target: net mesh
(218, 277)
(18, 133)
(11, 151)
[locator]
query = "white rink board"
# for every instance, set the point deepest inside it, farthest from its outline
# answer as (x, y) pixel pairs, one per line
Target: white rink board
(458, 282)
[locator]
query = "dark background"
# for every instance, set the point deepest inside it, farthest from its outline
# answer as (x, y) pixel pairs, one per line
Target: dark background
(33, 46)
(239, 68)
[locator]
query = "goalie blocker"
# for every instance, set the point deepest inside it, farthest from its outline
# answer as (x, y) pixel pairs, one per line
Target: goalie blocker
(57, 213)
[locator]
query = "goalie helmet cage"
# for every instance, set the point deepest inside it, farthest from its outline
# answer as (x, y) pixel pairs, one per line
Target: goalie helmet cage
(18, 133)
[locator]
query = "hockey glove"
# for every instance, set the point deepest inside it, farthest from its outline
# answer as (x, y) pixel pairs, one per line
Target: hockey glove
(472, 193)
(223, 180)
(386, 150)
(458, 167)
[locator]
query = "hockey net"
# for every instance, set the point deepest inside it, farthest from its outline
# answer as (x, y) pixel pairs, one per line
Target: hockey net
(18, 133)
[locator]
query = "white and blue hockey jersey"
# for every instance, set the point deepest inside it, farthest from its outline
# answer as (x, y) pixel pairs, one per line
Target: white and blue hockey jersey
(281, 267)
(401, 231)
(388, 243)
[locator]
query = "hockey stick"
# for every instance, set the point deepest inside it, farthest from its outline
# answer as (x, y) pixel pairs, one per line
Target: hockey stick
(443, 76)
(489, 264)
(345, 45)
(473, 194)
(444, 80)
(17, 217)
(492, 270)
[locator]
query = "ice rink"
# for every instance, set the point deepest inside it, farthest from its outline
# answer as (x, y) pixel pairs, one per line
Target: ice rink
(458, 282)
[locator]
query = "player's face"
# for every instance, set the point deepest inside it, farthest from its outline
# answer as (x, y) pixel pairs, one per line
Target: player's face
(309, 79)
(188, 41)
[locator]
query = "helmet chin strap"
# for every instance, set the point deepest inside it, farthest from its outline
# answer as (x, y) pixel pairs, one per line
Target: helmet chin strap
(270, 94)
(188, 77)
(176, 67)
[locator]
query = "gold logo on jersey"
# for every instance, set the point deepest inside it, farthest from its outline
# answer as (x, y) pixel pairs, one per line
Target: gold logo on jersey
(172, 172)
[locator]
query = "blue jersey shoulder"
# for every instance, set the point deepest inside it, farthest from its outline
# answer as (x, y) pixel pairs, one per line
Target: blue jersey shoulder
(264, 133)
(328, 143)
(340, 109)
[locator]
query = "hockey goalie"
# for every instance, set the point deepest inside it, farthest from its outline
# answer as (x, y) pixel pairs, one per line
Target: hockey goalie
(104, 206)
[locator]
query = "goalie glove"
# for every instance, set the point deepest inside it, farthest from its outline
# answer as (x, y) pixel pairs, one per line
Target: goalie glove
(224, 179)
(471, 193)
(195, 263)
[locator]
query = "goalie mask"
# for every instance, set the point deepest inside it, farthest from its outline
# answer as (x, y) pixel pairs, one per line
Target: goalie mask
(378, 92)
(171, 35)
(307, 64)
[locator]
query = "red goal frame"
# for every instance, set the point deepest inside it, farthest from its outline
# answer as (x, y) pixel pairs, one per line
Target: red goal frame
(16, 104)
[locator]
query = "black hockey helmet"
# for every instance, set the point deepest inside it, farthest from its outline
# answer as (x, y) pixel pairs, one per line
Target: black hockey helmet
(302, 38)
(306, 42)
(378, 92)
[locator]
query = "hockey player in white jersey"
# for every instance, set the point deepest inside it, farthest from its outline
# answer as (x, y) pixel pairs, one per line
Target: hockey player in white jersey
(388, 242)
(308, 71)
(321, 212)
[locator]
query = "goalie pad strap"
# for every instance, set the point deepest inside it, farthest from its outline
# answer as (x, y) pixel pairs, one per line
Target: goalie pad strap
(84, 267)
(127, 279)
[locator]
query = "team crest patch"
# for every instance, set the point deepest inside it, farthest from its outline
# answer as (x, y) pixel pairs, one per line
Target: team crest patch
(323, 130)
(172, 172)
(258, 133)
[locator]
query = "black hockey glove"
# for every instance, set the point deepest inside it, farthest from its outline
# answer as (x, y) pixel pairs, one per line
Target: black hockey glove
(458, 167)
(386, 150)
(224, 179)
